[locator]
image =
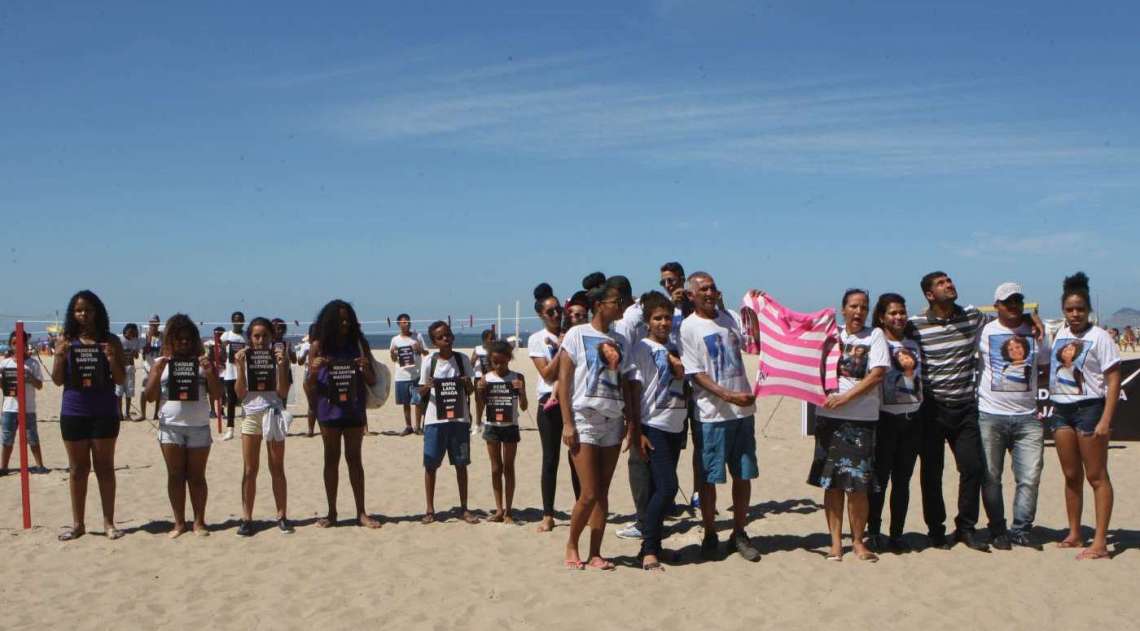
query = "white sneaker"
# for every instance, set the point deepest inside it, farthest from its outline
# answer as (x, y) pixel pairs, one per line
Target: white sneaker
(629, 532)
(229, 435)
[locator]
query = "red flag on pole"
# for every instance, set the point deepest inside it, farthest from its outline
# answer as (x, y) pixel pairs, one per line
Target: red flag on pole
(21, 385)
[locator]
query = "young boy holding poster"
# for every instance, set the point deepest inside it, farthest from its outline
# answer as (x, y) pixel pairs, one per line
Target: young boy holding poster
(503, 393)
(407, 351)
(446, 385)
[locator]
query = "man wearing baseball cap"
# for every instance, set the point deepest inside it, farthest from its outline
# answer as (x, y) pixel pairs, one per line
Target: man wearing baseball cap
(1012, 363)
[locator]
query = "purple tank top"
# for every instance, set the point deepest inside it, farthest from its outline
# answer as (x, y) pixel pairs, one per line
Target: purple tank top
(98, 401)
(327, 408)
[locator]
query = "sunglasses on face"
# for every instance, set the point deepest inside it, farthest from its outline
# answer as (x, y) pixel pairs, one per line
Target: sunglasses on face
(553, 311)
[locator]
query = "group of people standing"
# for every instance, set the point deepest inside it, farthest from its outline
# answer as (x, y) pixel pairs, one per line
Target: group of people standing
(651, 372)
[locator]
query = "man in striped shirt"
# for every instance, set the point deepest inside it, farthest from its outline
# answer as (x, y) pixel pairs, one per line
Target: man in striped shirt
(948, 336)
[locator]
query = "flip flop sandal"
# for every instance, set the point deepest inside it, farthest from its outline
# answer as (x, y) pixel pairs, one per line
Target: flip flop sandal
(71, 535)
(1069, 544)
(574, 565)
(869, 557)
(1088, 555)
(653, 567)
(606, 565)
(834, 557)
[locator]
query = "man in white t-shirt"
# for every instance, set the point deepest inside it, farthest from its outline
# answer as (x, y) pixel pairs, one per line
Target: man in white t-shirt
(710, 350)
(407, 352)
(233, 341)
(1011, 362)
(10, 423)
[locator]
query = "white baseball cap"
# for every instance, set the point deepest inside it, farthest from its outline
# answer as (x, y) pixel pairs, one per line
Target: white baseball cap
(1005, 290)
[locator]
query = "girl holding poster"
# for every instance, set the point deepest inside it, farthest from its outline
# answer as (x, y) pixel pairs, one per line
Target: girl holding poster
(504, 394)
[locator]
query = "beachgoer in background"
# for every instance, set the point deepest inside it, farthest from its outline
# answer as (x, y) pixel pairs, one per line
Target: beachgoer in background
(9, 427)
(595, 394)
(265, 417)
(132, 345)
(710, 349)
(1007, 416)
(184, 419)
(1128, 340)
(407, 351)
(151, 350)
(948, 336)
(898, 435)
(480, 360)
(664, 407)
(310, 394)
(542, 348)
(844, 461)
(445, 386)
(88, 364)
(501, 425)
(339, 368)
(234, 341)
(1082, 423)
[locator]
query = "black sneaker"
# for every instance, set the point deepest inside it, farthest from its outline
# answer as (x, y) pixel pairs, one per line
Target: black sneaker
(284, 526)
(876, 543)
(1001, 542)
(940, 542)
(744, 547)
(245, 529)
(970, 538)
(710, 547)
(898, 545)
(1024, 540)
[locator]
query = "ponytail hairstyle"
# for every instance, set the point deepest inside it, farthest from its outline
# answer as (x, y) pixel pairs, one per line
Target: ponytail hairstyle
(592, 280)
(542, 293)
(851, 292)
(1076, 285)
(880, 312)
(260, 321)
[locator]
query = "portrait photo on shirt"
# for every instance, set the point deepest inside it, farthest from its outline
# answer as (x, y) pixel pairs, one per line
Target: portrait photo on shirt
(1012, 360)
(903, 382)
(724, 355)
(1066, 366)
(670, 393)
(603, 363)
(853, 360)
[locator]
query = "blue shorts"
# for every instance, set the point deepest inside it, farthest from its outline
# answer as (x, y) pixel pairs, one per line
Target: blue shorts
(452, 437)
(731, 443)
(404, 392)
(1081, 416)
(10, 427)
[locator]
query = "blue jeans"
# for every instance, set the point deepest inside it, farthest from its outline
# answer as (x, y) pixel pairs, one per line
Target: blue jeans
(663, 484)
(10, 427)
(1024, 437)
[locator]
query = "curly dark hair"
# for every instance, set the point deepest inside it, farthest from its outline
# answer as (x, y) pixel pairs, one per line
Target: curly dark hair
(328, 328)
(1016, 339)
(178, 325)
(652, 301)
(102, 320)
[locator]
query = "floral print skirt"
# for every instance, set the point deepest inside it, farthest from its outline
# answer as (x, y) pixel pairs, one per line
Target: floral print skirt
(844, 455)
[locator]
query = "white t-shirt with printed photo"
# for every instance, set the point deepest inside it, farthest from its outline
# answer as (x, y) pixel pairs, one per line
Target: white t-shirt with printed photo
(446, 369)
(1010, 360)
(31, 368)
(601, 361)
(860, 353)
(542, 344)
(902, 384)
(663, 403)
(712, 346)
(1077, 364)
(408, 361)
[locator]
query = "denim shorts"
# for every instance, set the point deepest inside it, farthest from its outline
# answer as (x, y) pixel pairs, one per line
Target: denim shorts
(596, 429)
(404, 392)
(10, 427)
(729, 443)
(500, 433)
(182, 436)
(1081, 416)
(452, 437)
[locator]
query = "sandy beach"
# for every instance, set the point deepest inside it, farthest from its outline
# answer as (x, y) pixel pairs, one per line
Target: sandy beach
(454, 575)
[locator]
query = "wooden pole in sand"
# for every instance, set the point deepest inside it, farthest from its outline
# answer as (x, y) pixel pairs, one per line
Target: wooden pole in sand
(21, 384)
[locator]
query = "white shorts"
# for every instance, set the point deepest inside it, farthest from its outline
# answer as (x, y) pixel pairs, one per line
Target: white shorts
(128, 387)
(270, 423)
(595, 429)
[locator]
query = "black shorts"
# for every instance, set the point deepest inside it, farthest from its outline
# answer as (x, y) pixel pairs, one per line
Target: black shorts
(88, 427)
(343, 422)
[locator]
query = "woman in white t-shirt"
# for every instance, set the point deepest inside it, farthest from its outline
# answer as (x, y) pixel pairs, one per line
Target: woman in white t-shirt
(504, 394)
(265, 417)
(899, 432)
(542, 348)
(178, 383)
(1082, 412)
(593, 384)
(845, 428)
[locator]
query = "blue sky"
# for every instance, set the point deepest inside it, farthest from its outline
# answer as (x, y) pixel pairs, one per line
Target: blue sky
(446, 157)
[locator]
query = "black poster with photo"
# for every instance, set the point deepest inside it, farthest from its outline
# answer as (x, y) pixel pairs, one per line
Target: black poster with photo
(89, 369)
(342, 382)
(232, 348)
(182, 380)
(260, 370)
(501, 398)
(405, 356)
(10, 381)
(447, 398)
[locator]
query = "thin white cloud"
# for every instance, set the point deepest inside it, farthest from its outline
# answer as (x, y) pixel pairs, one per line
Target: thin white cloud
(991, 245)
